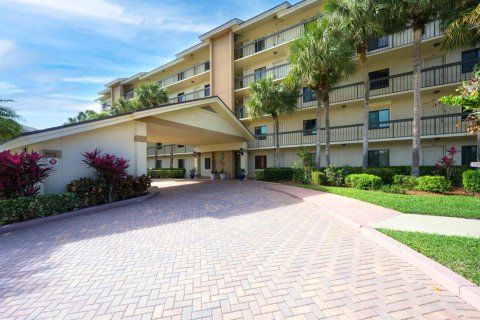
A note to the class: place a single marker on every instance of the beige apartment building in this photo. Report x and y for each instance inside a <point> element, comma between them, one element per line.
<point>237,53</point>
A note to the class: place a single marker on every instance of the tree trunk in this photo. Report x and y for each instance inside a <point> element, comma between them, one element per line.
<point>326,106</point>
<point>318,155</point>
<point>171,156</point>
<point>366,106</point>
<point>277,140</point>
<point>417,98</point>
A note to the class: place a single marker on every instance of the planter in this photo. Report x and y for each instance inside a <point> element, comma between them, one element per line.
<point>192,175</point>
<point>241,177</point>
<point>223,176</point>
<point>213,176</point>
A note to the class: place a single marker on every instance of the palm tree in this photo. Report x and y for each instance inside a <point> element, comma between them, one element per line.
<point>122,106</point>
<point>86,115</point>
<point>321,58</point>
<point>150,95</point>
<point>274,99</point>
<point>9,126</point>
<point>415,14</point>
<point>363,23</point>
<point>460,21</point>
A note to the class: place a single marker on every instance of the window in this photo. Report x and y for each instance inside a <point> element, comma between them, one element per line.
<point>260,162</point>
<point>378,43</point>
<point>309,127</point>
<point>469,154</point>
<point>181,97</point>
<point>180,76</point>
<point>378,79</point>
<point>207,90</point>
<point>181,163</point>
<point>158,164</point>
<point>379,119</point>
<point>261,132</point>
<point>128,95</point>
<point>469,59</point>
<point>208,163</point>
<point>159,146</point>
<point>259,45</point>
<point>181,145</point>
<point>379,158</point>
<point>309,95</point>
<point>260,73</point>
<point>207,65</point>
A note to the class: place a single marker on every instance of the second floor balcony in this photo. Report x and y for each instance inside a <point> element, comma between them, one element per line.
<point>432,127</point>
<point>198,94</point>
<point>165,150</point>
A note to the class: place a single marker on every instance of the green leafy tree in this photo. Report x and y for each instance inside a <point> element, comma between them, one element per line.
<point>123,105</point>
<point>150,95</point>
<point>321,58</point>
<point>363,21</point>
<point>273,99</point>
<point>9,125</point>
<point>460,21</point>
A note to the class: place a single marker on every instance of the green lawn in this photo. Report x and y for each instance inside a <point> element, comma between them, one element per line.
<point>459,254</point>
<point>437,205</point>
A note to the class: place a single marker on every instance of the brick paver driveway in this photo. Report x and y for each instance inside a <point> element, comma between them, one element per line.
<point>211,250</point>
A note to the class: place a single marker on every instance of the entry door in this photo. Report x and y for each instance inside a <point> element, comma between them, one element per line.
<point>430,155</point>
<point>432,77</point>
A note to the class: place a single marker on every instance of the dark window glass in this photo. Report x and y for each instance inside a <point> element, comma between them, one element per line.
<point>158,164</point>
<point>159,146</point>
<point>379,158</point>
<point>260,73</point>
<point>259,45</point>
<point>309,127</point>
<point>309,95</point>
<point>261,132</point>
<point>378,43</point>
<point>378,79</point>
<point>181,76</point>
<point>379,119</point>
<point>207,90</point>
<point>469,59</point>
<point>207,163</point>
<point>181,97</point>
<point>260,162</point>
<point>181,163</point>
<point>207,65</point>
<point>181,145</point>
<point>469,154</point>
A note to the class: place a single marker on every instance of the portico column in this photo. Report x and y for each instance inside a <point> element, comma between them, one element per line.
<point>140,148</point>
<point>198,164</point>
<point>244,158</point>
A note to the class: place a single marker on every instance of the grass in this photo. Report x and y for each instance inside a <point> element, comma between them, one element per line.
<point>459,254</point>
<point>436,205</point>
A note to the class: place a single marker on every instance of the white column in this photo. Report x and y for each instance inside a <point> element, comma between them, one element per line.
<point>244,159</point>
<point>140,146</point>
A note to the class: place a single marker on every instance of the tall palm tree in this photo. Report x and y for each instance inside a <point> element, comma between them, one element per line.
<point>363,23</point>
<point>122,106</point>
<point>321,58</point>
<point>9,126</point>
<point>150,95</point>
<point>273,99</point>
<point>415,14</point>
<point>86,115</point>
<point>460,21</point>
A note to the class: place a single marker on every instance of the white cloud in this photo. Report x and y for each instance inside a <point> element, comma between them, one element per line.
<point>100,80</point>
<point>6,47</point>
<point>9,88</point>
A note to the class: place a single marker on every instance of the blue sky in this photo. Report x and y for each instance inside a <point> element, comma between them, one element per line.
<point>56,55</point>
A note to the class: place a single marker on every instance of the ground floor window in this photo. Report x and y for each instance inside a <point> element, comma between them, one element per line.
<point>260,162</point>
<point>158,164</point>
<point>469,154</point>
<point>208,163</point>
<point>379,158</point>
<point>181,163</point>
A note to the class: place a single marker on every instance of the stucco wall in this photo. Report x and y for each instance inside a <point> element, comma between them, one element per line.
<point>221,51</point>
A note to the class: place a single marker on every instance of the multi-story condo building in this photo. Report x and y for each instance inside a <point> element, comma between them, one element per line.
<point>237,53</point>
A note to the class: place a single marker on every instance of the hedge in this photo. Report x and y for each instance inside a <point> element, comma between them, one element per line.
<point>176,173</point>
<point>433,184</point>
<point>26,208</point>
<point>276,174</point>
<point>468,181</point>
<point>319,178</point>
<point>363,181</point>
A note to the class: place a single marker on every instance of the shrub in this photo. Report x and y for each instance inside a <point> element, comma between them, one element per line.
<point>259,176</point>
<point>393,188</point>
<point>278,174</point>
<point>91,192</point>
<point>385,173</point>
<point>335,175</point>
<point>20,174</point>
<point>363,181</point>
<point>303,166</point>
<point>433,184</point>
<point>131,186</point>
<point>468,181</point>
<point>404,181</point>
<point>176,173</point>
<point>318,177</point>
<point>26,208</point>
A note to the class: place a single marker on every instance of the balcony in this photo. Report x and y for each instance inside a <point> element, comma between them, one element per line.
<point>202,93</point>
<point>432,126</point>
<point>164,150</point>
<point>277,72</point>
<point>185,74</point>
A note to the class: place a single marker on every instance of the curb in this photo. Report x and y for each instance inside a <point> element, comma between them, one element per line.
<point>70,214</point>
<point>453,282</point>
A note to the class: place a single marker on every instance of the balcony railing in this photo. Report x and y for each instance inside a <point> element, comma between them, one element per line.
<point>185,74</point>
<point>202,93</point>
<point>164,150</point>
<point>277,72</point>
<point>431,126</point>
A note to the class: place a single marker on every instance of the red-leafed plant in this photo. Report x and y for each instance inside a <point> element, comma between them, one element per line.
<point>20,173</point>
<point>109,168</point>
<point>446,163</point>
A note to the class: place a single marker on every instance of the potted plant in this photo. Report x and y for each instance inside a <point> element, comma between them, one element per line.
<point>213,174</point>
<point>192,173</point>
<point>242,174</point>
<point>223,174</point>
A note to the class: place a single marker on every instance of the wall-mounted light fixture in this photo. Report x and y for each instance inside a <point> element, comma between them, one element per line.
<point>195,154</point>
<point>241,151</point>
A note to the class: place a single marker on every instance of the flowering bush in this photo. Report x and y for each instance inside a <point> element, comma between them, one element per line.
<point>20,174</point>
<point>109,168</point>
<point>446,163</point>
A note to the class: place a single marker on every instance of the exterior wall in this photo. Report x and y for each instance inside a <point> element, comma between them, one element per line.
<point>188,158</point>
<point>221,50</point>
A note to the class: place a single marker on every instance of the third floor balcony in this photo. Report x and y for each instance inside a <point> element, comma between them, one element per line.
<point>189,73</point>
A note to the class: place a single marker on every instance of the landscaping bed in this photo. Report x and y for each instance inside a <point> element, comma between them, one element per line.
<point>460,254</point>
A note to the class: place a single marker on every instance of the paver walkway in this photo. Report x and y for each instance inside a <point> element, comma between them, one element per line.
<point>222,250</point>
